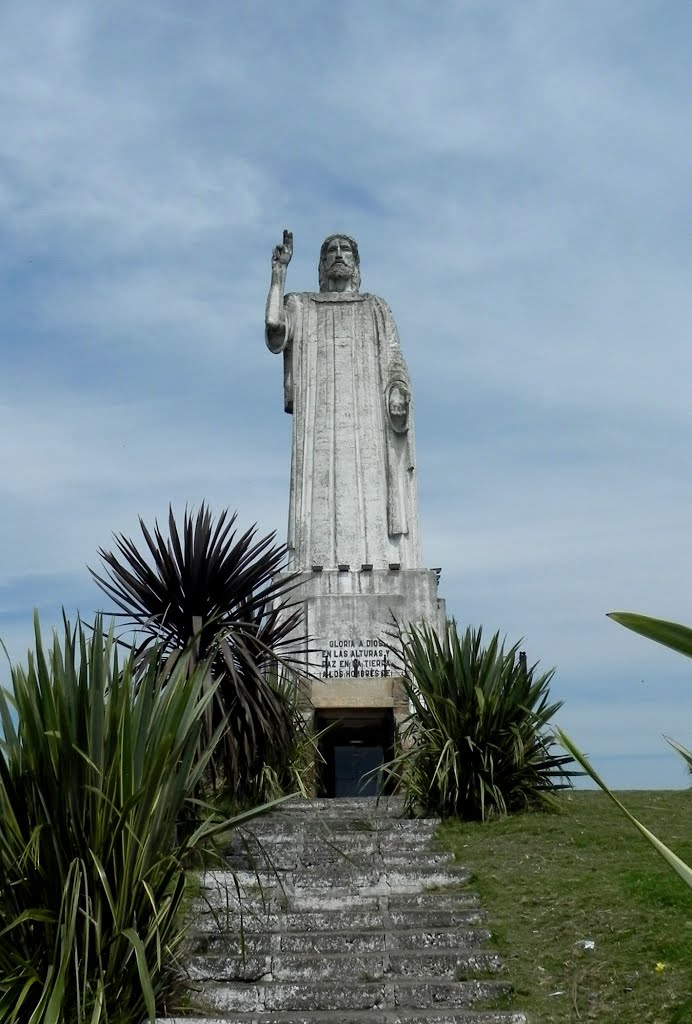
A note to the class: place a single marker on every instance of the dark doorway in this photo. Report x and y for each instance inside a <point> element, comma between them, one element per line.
<point>354,745</point>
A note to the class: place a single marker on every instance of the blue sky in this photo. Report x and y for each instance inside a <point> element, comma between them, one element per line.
<point>518,179</point>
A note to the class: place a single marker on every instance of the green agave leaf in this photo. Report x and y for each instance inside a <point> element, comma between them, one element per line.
<point>144,975</point>
<point>676,863</point>
<point>683,751</point>
<point>98,1006</point>
<point>670,634</point>
<point>52,1013</point>
<point>33,914</point>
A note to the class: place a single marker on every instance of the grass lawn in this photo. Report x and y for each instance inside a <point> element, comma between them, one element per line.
<point>551,881</point>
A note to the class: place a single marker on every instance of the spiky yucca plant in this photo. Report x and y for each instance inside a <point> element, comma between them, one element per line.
<point>216,595</point>
<point>477,742</point>
<point>98,760</point>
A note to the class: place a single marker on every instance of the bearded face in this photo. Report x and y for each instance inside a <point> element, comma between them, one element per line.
<point>339,262</point>
<point>339,270</point>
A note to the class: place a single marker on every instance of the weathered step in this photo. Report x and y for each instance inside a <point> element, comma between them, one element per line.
<point>413,871</point>
<point>343,807</point>
<point>341,826</point>
<point>459,912</point>
<point>348,918</point>
<point>254,909</point>
<point>294,942</point>
<point>305,899</point>
<point>440,938</point>
<point>215,943</point>
<point>329,941</point>
<point>321,861</point>
<point>291,996</point>
<point>348,968</point>
<point>396,881</point>
<point>409,878</point>
<point>432,918</point>
<point>268,857</point>
<point>341,912</point>
<point>396,1016</point>
<point>291,835</point>
<point>438,899</point>
<point>333,942</point>
<point>203,922</point>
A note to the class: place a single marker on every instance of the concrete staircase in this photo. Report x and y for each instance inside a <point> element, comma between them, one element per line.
<point>341,911</point>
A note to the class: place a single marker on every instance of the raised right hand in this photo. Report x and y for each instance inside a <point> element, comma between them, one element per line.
<point>282,254</point>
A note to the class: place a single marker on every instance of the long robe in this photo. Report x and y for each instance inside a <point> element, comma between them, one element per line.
<point>353,497</point>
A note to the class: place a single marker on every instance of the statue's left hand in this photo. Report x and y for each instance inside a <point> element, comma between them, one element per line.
<point>398,402</point>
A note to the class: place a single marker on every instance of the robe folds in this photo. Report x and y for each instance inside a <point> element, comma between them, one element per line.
<point>353,496</point>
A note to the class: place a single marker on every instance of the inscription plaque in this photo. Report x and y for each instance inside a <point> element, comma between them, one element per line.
<point>356,658</point>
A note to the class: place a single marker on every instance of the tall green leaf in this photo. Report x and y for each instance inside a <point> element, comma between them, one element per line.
<point>670,634</point>
<point>678,638</point>
<point>675,862</point>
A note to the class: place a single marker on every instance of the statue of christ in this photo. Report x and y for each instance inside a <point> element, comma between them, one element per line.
<point>353,496</point>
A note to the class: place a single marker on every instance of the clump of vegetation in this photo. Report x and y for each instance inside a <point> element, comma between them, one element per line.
<point>206,594</point>
<point>99,759</point>
<point>477,743</point>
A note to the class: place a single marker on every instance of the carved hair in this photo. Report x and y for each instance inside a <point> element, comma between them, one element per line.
<point>323,252</point>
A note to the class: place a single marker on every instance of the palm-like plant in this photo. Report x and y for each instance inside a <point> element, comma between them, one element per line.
<point>477,742</point>
<point>206,593</point>
<point>98,761</point>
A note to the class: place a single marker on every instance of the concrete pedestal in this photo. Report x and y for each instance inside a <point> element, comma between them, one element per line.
<point>351,617</point>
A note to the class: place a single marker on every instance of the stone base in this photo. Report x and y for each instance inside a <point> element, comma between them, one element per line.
<point>358,693</point>
<point>352,620</point>
<point>350,671</point>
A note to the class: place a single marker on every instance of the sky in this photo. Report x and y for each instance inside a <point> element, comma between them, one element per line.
<point>517,176</point>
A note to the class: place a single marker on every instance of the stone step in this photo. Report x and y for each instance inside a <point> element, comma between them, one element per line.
<point>282,858</point>
<point>433,918</point>
<point>291,996</point>
<point>327,941</point>
<point>451,898</point>
<point>440,938</point>
<point>443,912</point>
<point>351,968</point>
<point>391,941</point>
<point>326,847</point>
<point>341,912</point>
<point>401,1015</point>
<point>425,877</point>
<point>366,825</point>
<point>288,834</point>
<point>306,899</point>
<point>344,806</point>
<point>385,882</point>
<point>340,823</point>
<point>423,871</point>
